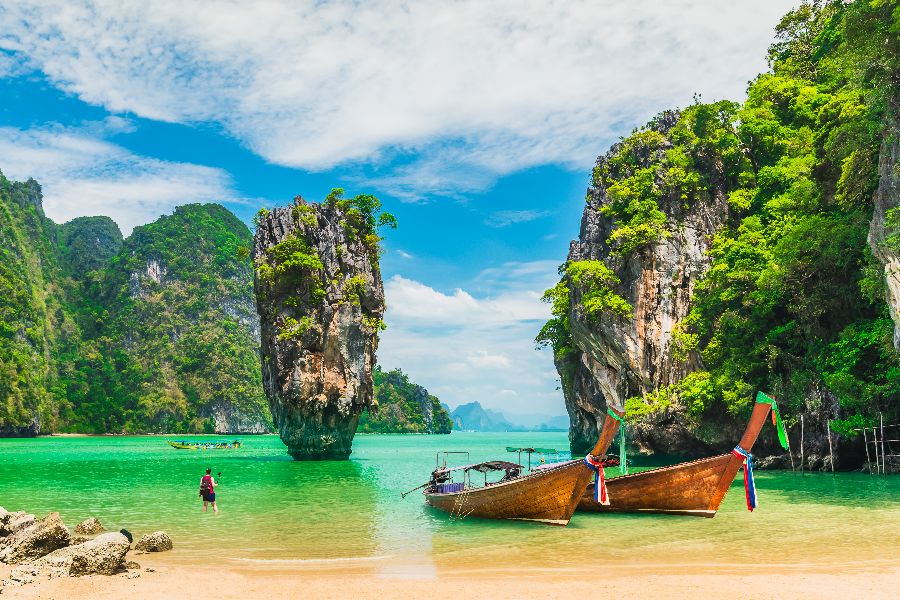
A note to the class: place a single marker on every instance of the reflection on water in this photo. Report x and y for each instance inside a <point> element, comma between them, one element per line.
<point>280,512</point>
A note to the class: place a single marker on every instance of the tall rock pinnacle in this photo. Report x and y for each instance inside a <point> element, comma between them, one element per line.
<point>320,300</point>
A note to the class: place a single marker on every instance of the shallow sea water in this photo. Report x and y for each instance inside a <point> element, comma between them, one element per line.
<point>278,513</point>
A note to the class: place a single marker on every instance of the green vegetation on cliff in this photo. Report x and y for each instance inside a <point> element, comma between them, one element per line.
<point>31,314</point>
<point>156,333</point>
<point>792,300</point>
<point>174,339</point>
<point>403,407</point>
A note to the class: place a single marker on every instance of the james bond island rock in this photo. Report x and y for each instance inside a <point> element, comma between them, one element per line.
<point>723,250</point>
<point>320,300</point>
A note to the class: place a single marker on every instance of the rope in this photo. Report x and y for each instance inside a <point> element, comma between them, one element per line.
<point>749,484</point>
<point>600,495</point>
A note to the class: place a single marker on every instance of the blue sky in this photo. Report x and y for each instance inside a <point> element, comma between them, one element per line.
<point>475,123</point>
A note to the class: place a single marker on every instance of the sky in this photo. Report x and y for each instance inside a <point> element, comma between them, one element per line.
<point>476,123</point>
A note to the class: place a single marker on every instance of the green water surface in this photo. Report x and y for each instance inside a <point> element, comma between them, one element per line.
<point>275,510</point>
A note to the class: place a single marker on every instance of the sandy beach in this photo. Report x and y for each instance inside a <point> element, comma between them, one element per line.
<point>168,580</point>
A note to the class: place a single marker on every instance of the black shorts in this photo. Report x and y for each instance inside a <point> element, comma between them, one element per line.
<point>209,496</point>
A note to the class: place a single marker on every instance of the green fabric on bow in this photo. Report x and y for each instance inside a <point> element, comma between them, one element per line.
<point>776,418</point>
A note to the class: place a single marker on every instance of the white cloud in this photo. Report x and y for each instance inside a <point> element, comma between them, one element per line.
<point>465,90</point>
<point>505,218</point>
<point>81,174</point>
<point>405,255</point>
<point>463,347</point>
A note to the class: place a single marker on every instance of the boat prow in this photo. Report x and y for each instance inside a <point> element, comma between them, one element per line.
<point>694,488</point>
<point>546,495</point>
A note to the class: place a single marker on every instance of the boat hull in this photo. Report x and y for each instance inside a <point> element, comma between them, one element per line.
<point>693,488</point>
<point>549,496</point>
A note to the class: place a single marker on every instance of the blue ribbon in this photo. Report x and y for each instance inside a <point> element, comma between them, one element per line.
<point>598,481</point>
<point>749,483</point>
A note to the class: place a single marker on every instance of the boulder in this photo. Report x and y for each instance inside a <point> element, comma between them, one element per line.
<point>103,555</point>
<point>35,541</point>
<point>90,526</point>
<point>11,522</point>
<point>158,541</point>
<point>78,539</point>
<point>130,564</point>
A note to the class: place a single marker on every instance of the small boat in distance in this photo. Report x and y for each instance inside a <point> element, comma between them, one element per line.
<point>219,445</point>
<point>693,488</point>
<point>548,494</point>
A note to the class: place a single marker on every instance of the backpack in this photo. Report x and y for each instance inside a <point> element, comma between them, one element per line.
<point>205,484</point>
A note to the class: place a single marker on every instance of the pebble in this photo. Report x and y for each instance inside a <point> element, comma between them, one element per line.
<point>132,575</point>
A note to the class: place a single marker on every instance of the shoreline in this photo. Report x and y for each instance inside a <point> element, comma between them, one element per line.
<point>389,579</point>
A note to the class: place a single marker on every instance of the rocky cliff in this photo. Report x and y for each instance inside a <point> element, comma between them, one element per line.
<point>884,233</point>
<point>723,250</point>
<point>619,356</point>
<point>320,300</point>
<point>178,303</point>
<point>158,332</point>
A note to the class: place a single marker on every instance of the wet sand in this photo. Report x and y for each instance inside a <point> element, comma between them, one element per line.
<point>173,580</point>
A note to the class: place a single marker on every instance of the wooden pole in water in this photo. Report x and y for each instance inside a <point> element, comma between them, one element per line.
<point>875,443</point>
<point>801,444</point>
<point>883,457</point>
<point>866,444</point>
<point>790,452</point>
<point>830,449</point>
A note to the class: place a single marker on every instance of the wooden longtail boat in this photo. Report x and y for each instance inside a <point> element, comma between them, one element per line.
<point>547,495</point>
<point>183,445</point>
<point>692,488</point>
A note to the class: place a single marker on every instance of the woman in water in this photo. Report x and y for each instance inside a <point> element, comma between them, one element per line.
<point>208,490</point>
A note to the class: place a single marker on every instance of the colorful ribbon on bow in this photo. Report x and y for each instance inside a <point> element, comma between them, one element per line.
<point>600,495</point>
<point>749,484</point>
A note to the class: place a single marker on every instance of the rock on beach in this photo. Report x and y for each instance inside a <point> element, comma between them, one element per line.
<point>34,541</point>
<point>90,526</point>
<point>158,541</point>
<point>103,555</point>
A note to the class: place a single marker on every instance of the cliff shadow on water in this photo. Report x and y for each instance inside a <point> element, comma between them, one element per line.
<point>320,300</point>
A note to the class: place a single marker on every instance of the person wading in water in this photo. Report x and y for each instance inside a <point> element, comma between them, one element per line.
<point>208,490</point>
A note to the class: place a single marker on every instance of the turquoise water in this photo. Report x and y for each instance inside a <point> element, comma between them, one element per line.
<point>274,509</point>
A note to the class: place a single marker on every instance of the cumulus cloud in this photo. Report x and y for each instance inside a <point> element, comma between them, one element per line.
<point>83,175</point>
<point>463,346</point>
<point>464,90</point>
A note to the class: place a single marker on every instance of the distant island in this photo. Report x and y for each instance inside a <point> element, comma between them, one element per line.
<point>474,417</point>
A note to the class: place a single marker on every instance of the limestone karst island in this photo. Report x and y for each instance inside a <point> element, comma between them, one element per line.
<point>521,299</point>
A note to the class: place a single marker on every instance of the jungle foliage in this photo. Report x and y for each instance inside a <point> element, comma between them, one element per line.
<point>102,335</point>
<point>793,298</point>
<point>402,407</point>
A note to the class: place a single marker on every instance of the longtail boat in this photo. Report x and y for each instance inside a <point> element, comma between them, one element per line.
<point>692,488</point>
<point>548,494</point>
<point>184,445</point>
